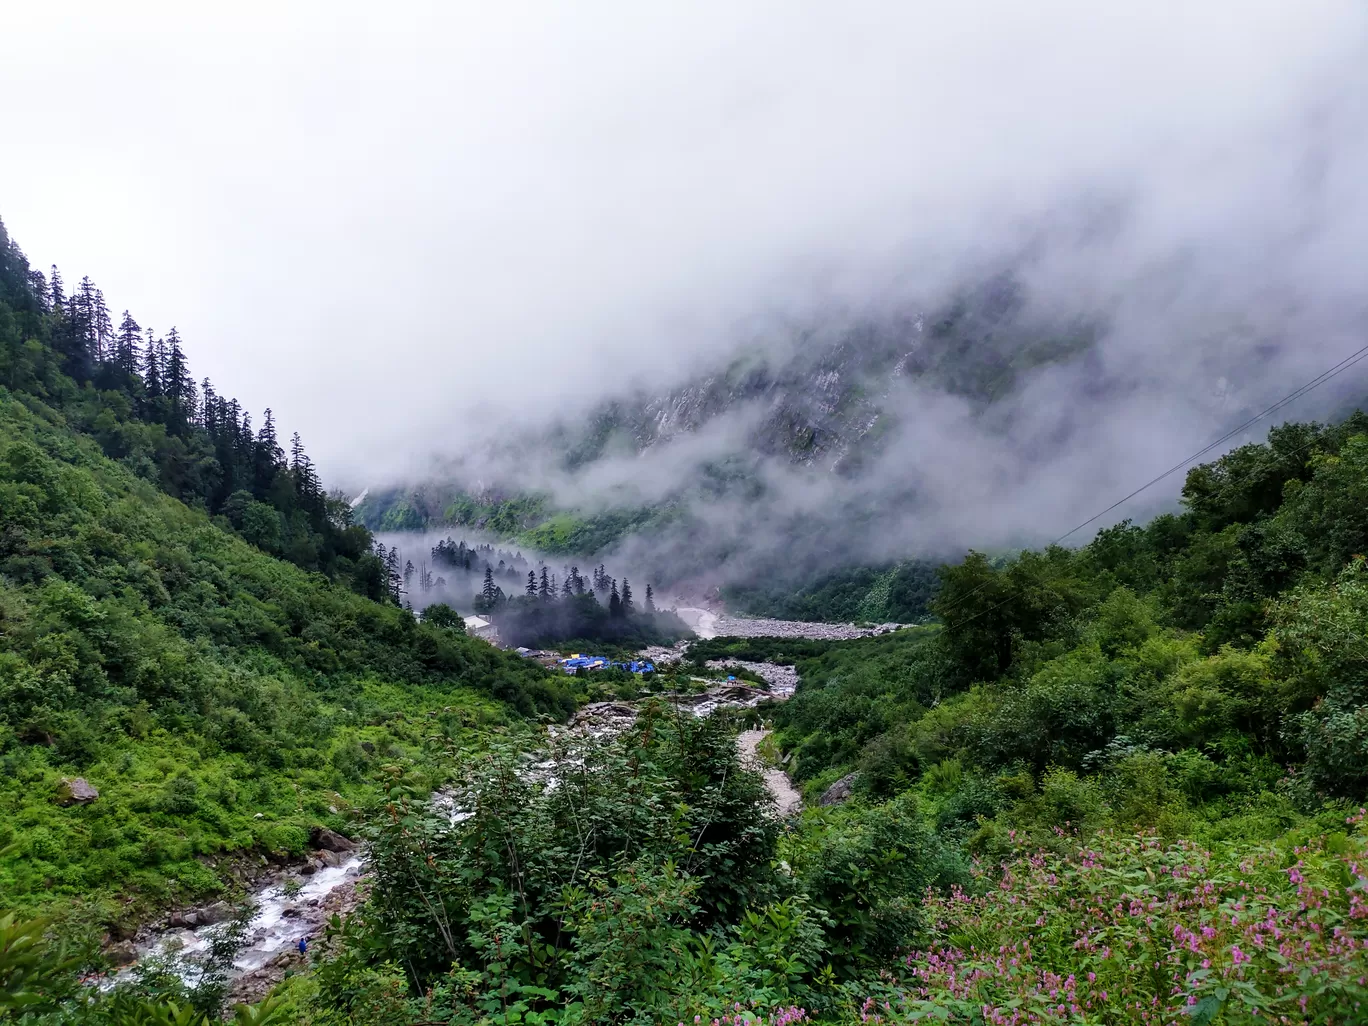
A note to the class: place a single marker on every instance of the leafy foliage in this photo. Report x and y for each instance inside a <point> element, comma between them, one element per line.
<point>221,701</point>
<point>637,879</point>
<point>1128,929</point>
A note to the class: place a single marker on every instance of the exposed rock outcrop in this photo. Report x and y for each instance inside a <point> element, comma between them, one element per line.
<point>218,912</point>
<point>75,791</point>
<point>839,791</point>
<point>329,840</point>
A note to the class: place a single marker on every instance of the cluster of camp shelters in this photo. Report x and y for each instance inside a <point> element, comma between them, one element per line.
<point>584,662</point>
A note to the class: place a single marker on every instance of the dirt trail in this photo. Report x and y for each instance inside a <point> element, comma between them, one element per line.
<point>790,802</point>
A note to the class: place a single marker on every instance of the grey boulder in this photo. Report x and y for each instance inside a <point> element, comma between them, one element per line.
<point>75,791</point>
<point>839,791</point>
<point>329,840</point>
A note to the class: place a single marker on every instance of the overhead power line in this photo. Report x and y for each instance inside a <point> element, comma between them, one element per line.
<point>1320,379</point>
<point>1291,397</point>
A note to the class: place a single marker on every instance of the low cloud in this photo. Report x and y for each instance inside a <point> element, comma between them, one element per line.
<point>423,233</point>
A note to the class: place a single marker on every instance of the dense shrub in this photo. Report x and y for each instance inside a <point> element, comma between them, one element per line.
<point>1127,929</point>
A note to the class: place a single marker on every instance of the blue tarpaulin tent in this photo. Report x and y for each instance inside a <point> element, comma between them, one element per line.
<point>582,662</point>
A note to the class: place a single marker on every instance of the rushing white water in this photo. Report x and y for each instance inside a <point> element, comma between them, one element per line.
<point>273,928</point>
<point>281,920</point>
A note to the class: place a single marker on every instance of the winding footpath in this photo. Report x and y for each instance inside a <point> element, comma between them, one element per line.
<point>786,797</point>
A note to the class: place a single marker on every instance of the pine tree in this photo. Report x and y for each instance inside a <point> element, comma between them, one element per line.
<point>126,345</point>
<point>614,602</point>
<point>567,589</point>
<point>179,387</point>
<point>531,583</point>
<point>408,572</point>
<point>627,609</point>
<point>104,327</point>
<point>650,600</point>
<point>56,300</point>
<point>487,592</point>
<point>268,457</point>
<point>547,592</point>
<point>38,287</point>
<point>88,303</point>
<point>152,376</point>
<point>308,487</point>
<point>71,337</point>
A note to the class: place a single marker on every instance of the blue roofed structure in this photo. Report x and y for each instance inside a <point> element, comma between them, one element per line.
<point>583,662</point>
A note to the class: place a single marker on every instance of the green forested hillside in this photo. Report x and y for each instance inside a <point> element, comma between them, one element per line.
<point>133,393</point>
<point>194,680</point>
<point>1208,665</point>
<point>900,593</point>
<point>220,699</point>
<point>1110,785</point>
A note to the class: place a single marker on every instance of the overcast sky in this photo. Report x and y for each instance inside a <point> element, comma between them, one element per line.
<point>375,217</point>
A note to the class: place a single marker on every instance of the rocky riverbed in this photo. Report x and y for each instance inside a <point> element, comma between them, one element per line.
<point>783,680</point>
<point>709,624</point>
<point>298,902</point>
<point>301,918</point>
<point>740,627</point>
<point>293,904</point>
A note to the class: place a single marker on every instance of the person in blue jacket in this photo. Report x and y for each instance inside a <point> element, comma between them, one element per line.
<point>303,945</point>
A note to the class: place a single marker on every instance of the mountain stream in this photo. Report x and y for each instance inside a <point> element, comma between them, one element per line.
<point>295,907</point>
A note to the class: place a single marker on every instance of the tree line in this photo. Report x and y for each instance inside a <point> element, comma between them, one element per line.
<point>535,606</point>
<point>134,392</point>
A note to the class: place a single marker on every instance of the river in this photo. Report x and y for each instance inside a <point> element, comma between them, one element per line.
<point>708,624</point>
<point>294,907</point>
<point>284,915</point>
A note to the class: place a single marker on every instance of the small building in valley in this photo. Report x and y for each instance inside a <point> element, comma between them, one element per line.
<point>479,627</point>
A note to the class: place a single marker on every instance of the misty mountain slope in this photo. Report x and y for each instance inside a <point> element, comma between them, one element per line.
<point>822,393</point>
<point>825,401</point>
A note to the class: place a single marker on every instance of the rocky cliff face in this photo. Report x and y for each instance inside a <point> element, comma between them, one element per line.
<point>823,400</point>
<point>819,401</point>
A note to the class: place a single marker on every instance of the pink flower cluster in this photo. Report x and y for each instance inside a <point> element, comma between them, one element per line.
<point>1131,930</point>
<point>739,1016</point>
